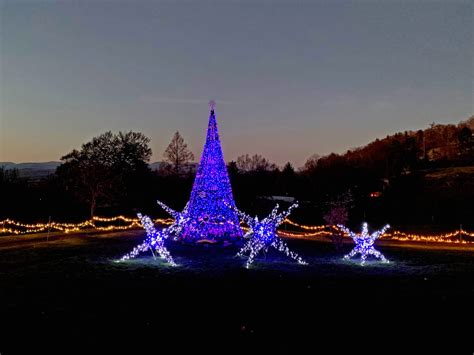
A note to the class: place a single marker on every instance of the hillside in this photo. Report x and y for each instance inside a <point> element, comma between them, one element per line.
<point>440,145</point>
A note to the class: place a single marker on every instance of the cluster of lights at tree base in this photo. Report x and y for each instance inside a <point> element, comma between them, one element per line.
<point>156,239</point>
<point>364,243</point>
<point>263,235</point>
<point>209,216</point>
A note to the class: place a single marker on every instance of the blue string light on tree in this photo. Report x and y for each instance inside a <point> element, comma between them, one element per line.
<point>364,243</point>
<point>209,217</point>
<point>156,239</point>
<point>263,235</point>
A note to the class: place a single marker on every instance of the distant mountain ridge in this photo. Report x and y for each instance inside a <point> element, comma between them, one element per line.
<point>48,165</point>
<point>39,170</point>
<point>32,170</point>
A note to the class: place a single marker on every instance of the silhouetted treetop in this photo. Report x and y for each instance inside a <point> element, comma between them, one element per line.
<point>255,162</point>
<point>177,153</point>
<point>96,172</point>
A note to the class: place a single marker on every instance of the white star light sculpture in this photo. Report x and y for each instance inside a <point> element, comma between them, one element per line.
<point>365,243</point>
<point>180,218</point>
<point>156,239</point>
<point>263,235</point>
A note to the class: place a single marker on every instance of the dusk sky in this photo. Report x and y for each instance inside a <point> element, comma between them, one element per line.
<point>290,78</point>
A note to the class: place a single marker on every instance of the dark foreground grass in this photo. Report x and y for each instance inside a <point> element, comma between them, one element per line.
<point>72,296</point>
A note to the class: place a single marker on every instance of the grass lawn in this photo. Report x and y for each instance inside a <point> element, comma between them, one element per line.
<point>70,294</point>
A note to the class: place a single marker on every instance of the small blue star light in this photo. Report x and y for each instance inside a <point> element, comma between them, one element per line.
<point>263,235</point>
<point>364,243</point>
<point>155,240</point>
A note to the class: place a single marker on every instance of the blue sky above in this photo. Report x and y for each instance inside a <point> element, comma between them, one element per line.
<point>290,78</point>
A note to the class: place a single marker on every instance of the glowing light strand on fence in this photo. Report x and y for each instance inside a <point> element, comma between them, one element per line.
<point>364,243</point>
<point>11,227</point>
<point>263,235</point>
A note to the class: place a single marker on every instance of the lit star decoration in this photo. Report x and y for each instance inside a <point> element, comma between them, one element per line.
<point>209,217</point>
<point>181,219</point>
<point>156,239</point>
<point>212,105</point>
<point>263,235</point>
<point>365,243</point>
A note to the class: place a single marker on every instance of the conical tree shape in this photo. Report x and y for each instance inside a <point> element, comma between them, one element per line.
<point>210,217</point>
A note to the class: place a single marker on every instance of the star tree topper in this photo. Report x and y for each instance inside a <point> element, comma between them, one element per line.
<point>212,105</point>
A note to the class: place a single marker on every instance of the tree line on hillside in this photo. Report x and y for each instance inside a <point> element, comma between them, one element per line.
<point>384,180</point>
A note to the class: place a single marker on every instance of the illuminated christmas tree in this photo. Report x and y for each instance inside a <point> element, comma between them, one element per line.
<point>209,216</point>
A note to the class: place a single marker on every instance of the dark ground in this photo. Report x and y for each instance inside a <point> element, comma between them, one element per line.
<point>69,295</point>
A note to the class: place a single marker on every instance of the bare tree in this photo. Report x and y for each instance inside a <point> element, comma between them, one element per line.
<point>255,162</point>
<point>466,144</point>
<point>338,213</point>
<point>311,163</point>
<point>178,153</point>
